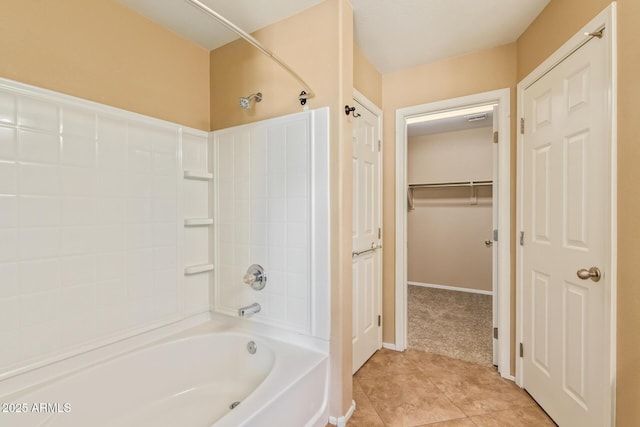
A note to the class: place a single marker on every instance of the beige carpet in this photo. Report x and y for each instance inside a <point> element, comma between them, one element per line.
<point>451,323</point>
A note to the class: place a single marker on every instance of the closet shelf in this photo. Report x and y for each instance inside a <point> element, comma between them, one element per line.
<point>480,183</point>
<point>202,176</point>
<point>473,199</point>
<point>195,222</point>
<point>196,269</point>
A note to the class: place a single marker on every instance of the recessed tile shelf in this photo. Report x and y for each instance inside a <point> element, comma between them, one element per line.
<point>196,269</point>
<point>202,176</point>
<point>195,222</point>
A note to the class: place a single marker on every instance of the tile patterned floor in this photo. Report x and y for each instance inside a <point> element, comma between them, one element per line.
<point>415,388</point>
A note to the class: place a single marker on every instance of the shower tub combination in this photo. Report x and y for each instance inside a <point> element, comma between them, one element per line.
<point>200,368</point>
<point>208,375</point>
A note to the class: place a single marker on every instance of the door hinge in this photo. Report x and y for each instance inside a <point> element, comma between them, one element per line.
<point>522,125</point>
<point>379,232</point>
<point>495,235</point>
<point>495,137</point>
<point>379,145</point>
<point>379,320</point>
<point>521,350</point>
<point>495,333</point>
<point>522,238</point>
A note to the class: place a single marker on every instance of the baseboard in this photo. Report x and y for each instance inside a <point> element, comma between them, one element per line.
<point>451,288</point>
<point>342,421</point>
<point>389,346</point>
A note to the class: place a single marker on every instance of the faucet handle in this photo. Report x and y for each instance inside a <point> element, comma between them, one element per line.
<point>255,277</point>
<point>249,278</point>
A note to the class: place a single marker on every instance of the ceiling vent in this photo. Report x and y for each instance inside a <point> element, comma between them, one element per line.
<point>476,117</point>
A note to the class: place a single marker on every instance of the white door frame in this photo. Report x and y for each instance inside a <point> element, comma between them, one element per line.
<point>606,18</point>
<point>366,103</point>
<point>503,186</point>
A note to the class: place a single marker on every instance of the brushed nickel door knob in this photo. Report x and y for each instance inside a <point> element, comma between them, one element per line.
<point>593,273</point>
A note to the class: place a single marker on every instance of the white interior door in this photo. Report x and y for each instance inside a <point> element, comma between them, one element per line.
<point>566,205</point>
<point>367,256</point>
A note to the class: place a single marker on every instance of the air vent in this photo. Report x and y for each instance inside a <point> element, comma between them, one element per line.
<point>476,117</point>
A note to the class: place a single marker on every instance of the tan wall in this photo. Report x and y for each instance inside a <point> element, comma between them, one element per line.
<point>462,155</point>
<point>477,72</point>
<point>445,239</point>
<point>318,45</point>
<point>307,42</point>
<point>628,378</point>
<point>342,219</point>
<point>366,78</point>
<point>566,18</point>
<point>103,51</point>
<point>445,232</point>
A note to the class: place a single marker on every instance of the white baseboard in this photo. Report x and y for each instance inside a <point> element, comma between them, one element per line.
<point>451,288</point>
<point>342,421</point>
<point>389,346</point>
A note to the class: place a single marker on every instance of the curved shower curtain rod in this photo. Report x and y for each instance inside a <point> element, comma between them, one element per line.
<point>304,95</point>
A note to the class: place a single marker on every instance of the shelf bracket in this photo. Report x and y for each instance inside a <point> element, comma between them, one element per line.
<point>473,197</point>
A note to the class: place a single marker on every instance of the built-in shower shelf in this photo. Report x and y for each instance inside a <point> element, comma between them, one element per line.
<point>196,222</point>
<point>202,176</point>
<point>197,269</point>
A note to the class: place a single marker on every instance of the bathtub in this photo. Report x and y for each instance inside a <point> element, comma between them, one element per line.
<point>204,376</point>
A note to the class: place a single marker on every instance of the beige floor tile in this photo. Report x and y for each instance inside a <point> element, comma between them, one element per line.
<point>473,388</point>
<point>408,399</point>
<point>460,422</point>
<point>365,414</point>
<point>416,388</point>
<point>385,362</point>
<point>531,416</point>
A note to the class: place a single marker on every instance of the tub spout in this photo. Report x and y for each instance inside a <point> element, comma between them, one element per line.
<point>250,309</point>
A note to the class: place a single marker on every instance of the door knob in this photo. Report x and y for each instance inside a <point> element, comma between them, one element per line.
<point>593,273</point>
<point>488,243</point>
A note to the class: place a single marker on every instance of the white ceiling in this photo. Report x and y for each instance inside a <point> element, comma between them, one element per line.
<point>393,35</point>
<point>188,21</point>
<point>399,34</point>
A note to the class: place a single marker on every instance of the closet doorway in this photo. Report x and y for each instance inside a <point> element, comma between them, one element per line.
<point>452,229</point>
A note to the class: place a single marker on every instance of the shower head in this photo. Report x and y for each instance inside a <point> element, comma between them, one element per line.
<point>246,102</point>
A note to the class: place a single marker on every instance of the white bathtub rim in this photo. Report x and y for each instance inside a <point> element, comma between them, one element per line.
<point>286,336</point>
<point>280,379</point>
<point>259,400</point>
<point>37,375</point>
<point>250,404</point>
<point>275,337</point>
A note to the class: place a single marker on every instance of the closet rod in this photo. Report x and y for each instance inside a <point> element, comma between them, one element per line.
<point>452,184</point>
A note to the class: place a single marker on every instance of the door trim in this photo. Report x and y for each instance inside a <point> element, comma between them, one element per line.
<point>503,280</point>
<point>373,108</point>
<point>608,19</point>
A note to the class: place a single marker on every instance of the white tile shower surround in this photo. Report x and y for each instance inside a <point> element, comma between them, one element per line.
<point>92,208</point>
<point>271,181</point>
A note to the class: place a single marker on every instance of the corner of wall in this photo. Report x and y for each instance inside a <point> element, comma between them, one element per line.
<point>366,78</point>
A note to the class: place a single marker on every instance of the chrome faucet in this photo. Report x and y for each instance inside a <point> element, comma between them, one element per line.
<point>250,309</point>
